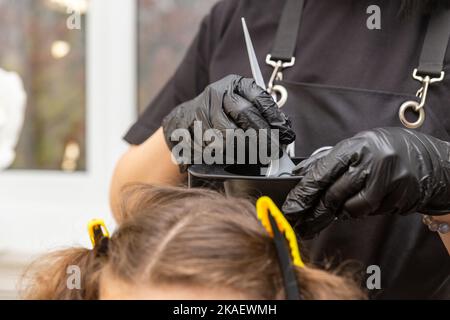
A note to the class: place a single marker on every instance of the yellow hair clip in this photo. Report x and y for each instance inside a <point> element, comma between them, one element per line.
<point>97,231</point>
<point>264,207</point>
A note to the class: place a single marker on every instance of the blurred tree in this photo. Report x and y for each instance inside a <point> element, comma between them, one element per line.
<point>166,28</point>
<point>36,43</point>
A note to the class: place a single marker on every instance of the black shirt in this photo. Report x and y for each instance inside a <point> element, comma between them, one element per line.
<point>334,48</point>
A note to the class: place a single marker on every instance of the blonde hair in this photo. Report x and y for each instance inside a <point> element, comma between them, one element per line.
<point>175,236</point>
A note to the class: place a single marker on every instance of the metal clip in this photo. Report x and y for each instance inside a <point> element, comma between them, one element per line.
<point>418,107</point>
<point>265,207</point>
<point>277,75</point>
<point>426,81</point>
<point>97,231</point>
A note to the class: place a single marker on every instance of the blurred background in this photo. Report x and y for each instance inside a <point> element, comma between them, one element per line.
<point>85,84</point>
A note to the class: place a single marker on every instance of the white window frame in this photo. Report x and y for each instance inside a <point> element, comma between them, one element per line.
<point>43,209</point>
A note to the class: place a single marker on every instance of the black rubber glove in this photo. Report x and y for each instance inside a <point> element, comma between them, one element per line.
<point>383,171</point>
<point>231,103</point>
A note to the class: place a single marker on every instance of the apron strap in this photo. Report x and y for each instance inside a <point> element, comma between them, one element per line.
<point>283,52</point>
<point>431,65</point>
<point>433,51</point>
<point>288,28</point>
<point>435,44</point>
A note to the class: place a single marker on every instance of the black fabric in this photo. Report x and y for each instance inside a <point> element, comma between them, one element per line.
<point>286,38</point>
<point>285,259</point>
<point>347,78</point>
<point>413,261</point>
<point>344,112</point>
<point>333,49</point>
<point>435,44</point>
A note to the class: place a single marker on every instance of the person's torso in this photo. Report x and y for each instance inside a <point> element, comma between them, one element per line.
<point>348,78</point>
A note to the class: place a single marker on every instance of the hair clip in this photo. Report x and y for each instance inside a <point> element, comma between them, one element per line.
<point>265,208</point>
<point>97,232</point>
<point>285,242</point>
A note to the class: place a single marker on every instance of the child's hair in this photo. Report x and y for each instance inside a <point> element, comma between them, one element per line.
<point>175,236</point>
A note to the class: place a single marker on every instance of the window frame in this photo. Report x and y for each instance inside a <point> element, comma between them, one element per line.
<point>61,203</point>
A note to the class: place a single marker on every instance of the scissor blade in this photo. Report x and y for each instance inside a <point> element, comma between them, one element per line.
<point>284,165</point>
<point>256,70</point>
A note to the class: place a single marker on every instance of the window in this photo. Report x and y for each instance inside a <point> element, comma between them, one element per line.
<point>51,60</point>
<point>165,30</point>
<point>82,88</point>
<point>82,92</point>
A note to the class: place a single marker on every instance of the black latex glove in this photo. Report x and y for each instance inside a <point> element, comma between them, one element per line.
<point>231,103</point>
<point>383,171</point>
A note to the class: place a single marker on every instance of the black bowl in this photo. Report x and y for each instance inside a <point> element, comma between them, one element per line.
<point>242,181</point>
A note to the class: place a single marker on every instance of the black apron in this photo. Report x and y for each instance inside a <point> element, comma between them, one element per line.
<point>413,261</point>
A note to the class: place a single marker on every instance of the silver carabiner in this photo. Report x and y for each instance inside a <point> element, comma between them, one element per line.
<point>278,92</point>
<point>418,107</point>
<point>280,95</point>
<point>426,82</point>
<point>415,106</point>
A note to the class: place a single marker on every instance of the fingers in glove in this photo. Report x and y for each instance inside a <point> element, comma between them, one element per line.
<point>399,197</point>
<point>247,116</point>
<point>305,165</point>
<point>244,113</point>
<point>347,186</point>
<point>314,220</point>
<point>248,89</point>
<point>317,179</point>
<point>323,173</point>
<point>362,204</point>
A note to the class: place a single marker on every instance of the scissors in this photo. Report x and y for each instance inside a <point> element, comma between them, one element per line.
<point>283,165</point>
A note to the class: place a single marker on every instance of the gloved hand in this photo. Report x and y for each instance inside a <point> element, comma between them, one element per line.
<point>383,171</point>
<point>231,103</point>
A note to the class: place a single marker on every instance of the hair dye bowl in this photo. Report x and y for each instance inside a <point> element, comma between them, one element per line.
<point>245,181</point>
